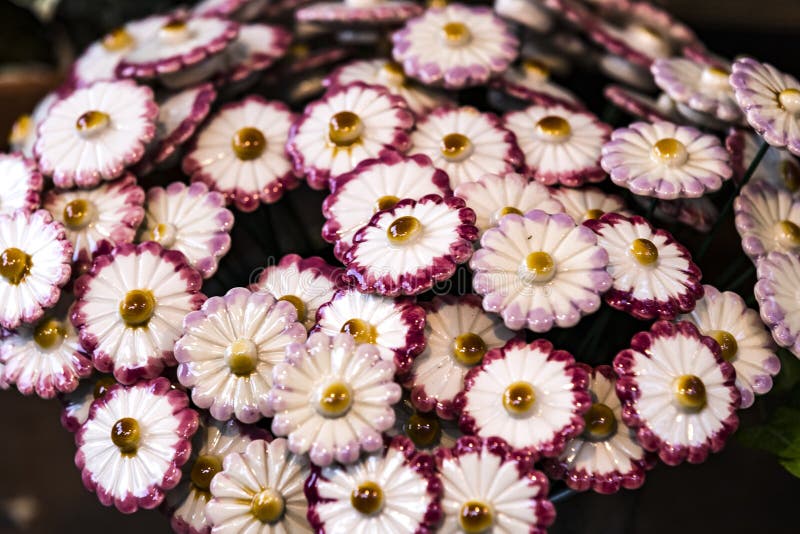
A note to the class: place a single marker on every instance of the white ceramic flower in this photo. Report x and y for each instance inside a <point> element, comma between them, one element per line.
<point>24,134</point>
<point>703,88</point>
<point>767,219</point>
<point>776,292</point>
<point>531,82</point>
<point>22,183</point>
<point>588,202</point>
<point>76,404</point>
<point>425,429</point>
<point>778,167</point>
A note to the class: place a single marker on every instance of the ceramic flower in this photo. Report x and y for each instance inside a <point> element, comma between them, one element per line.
<point>395,326</point>
<point>455,46</point>
<point>767,219</point>
<point>653,275</point>
<point>241,154</point>
<point>240,10</point>
<point>332,399</point>
<point>256,47</point>
<point>192,220</point>
<point>35,259</point>
<point>95,220</point>
<point>697,213</point>
<point>407,249</point>
<point>132,446</point>
<point>770,100</point>
<point>540,271</point>
<point>229,348</point>
<point>359,12</point>
<point>640,105</point>
<point>260,490</point>
<point>95,132</point>
<point>22,183</point>
<point>514,501</point>
<point>77,403</point>
<point>533,15</point>
<point>426,430</point>
<point>587,203</point>
<point>24,134</point>
<point>606,456</point>
<point>743,340</point>
<point>466,144</point>
<point>493,197</point>
<point>778,279</point>
<point>677,392</point>
<point>129,308</point>
<point>559,145</point>
<point>350,124</point>
<point>375,185</point>
<point>667,161</point>
<point>778,167</point>
<point>395,490</point>
<point>531,82</point>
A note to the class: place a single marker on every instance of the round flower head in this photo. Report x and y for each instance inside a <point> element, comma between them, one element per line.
<point>777,167</point>
<point>487,486</point>
<point>95,220</point>
<point>35,259</point>
<point>559,145</point>
<point>653,275</point>
<point>229,348</point>
<point>132,446</point>
<point>743,340</point>
<point>307,283</point>
<point>677,392</point>
<point>770,100</point>
<point>455,46</point>
<point>333,399</point>
<point>76,404</point>
<point>21,183</point>
<point>239,10</point>
<point>776,292</point>
<point>587,202</point>
<point>349,124</point>
<point>530,14</point>
<point>531,82</point>
<point>94,133</point>
<point>240,153</point>
<point>375,185</point>
<point>395,326</point>
<point>540,271</point>
<point>408,248</point>
<point>666,161</point>
<point>641,105</point>
<point>359,12</point>
<point>192,220</point>
<point>425,429</point>
<point>767,219</point>
<point>24,134</point>
<point>466,144</point>
<point>130,306</point>
<point>255,48</point>
<point>493,197</point>
<point>260,490</point>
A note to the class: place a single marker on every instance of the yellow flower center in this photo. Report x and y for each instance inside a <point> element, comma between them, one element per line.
<point>267,506</point>
<point>392,72</point>
<point>15,265</point>
<point>502,212</point>
<point>475,517</point>
<point>789,100</point>
<point>242,357</point>
<point>335,400</point>
<point>670,152</point>
<point>102,386</point>
<point>534,67</point>
<point>600,423</point>
<point>727,343</point>
<point>78,214</point>
<point>644,251</point>
<point>553,128</point>
<point>403,230</point>
<point>92,122</point>
<point>164,233</point>
<point>519,398</point>
<point>345,128</point>
<point>362,331</point>
<point>469,348</point>
<point>456,147</point>
<point>715,78</point>
<point>20,130</point>
<point>204,469</point>
<point>137,307</point>
<point>173,32</point>
<point>423,429</point>
<point>367,498</point>
<point>117,40</point>
<point>790,171</point>
<point>299,306</point>
<point>592,214</point>
<point>386,202</point>
<point>248,143</point>
<point>690,393</point>
<point>540,266</point>
<point>49,333</point>
<point>787,233</point>
<point>125,434</point>
<point>456,33</point>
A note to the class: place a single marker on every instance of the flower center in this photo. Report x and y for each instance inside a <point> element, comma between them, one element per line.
<point>535,69</point>
<point>789,99</point>
<point>137,308</point>
<point>298,304</point>
<point>644,251</point>
<point>15,265</point>
<point>790,171</point>
<point>126,435</point>
<point>345,128</point>
<point>423,429</point>
<point>367,498</point>
<point>102,386</point>
<point>690,393</point>
<point>456,147</point>
<point>715,78</point>
<point>20,130</point>
<point>600,423</point>
<point>502,212</point>
<point>204,469</point>
<point>469,349</point>
<point>164,233</point>
<point>403,230</point>
<point>539,267</point>
<point>727,343</point>
<point>649,40</point>
<point>242,357</point>
<point>553,128</point>
<point>519,398</point>
<point>386,202</point>
<point>49,333</point>
<point>173,32</point>
<point>787,233</point>
<point>92,122</point>
<point>362,331</point>
<point>78,213</point>
<point>248,143</point>
<point>117,40</point>
<point>475,517</point>
<point>592,214</point>
<point>335,400</point>
<point>392,73</point>
<point>670,152</point>
<point>456,33</point>
<point>267,506</point>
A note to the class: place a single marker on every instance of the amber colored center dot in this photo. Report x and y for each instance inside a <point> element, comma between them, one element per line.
<point>644,251</point>
<point>553,128</point>
<point>204,469</point>
<point>15,265</point>
<point>536,68</point>
<point>137,307</point>
<point>125,434</point>
<point>345,128</point>
<point>49,333</point>
<point>456,33</point>
<point>518,398</point>
<point>102,386</point>
<point>715,77</point>
<point>790,171</point>
<point>600,422</point>
<point>592,214</point>
<point>423,429</point>
<point>248,143</point>
<point>502,212</point>
<point>455,147</point>
<point>386,202</point>
<point>20,129</point>
<point>649,39</point>
<point>727,343</point>
<point>92,122</point>
<point>299,306</point>
<point>789,99</point>
<point>164,233</point>
<point>367,498</point>
<point>690,392</point>
<point>362,331</point>
<point>335,399</point>
<point>540,265</point>
<point>117,39</point>
<point>174,31</point>
<point>393,73</point>
<point>267,506</point>
<point>403,229</point>
<point>469,348</point>
<point>242,357</point>
<point>670,151</point>
<point>78,213</point>
<point>475,517</point>
<point>787,233</point>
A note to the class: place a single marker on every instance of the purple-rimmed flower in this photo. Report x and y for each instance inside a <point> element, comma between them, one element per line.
<point>240,10</point>
<point>767,219</point>
<point>260,490</point>
<point>255,48</point>
<point>350,124</point>
<point>667,161</point>
<point>529,14</point>
<point>129,308</point>
<point>653,275</point>
<point>559,145</point>
<point>606,456</point>
<point>698,213</point>
<point>359,12</point>
<point>531,82</point>
<point>229,348</point>
<point>192,220</point>
<point>408,248</point>
<point>540,271</point>
<point>95,132</point>
<point>677,392</point>
<point>458,335</point>
<point>455,46</point>
<point>35,257</point>
<point>240,153</point>
<point>743,340</point>
<point>394,325</point>
<point>425,429</point>
<point>493,197</point>
<point>22,183</point>
<point>132,446</point>
<point>375,185</point>
<point>96,220</point>
<point>514,501</point>
<point>24,131</point>
<point>640,105</point>
<point>466,144</point>
<point>770,100</point>
<point>587,202</point>
<point>776,292</point>
<point>332,398</point>
<point>528,393</point>
<point>392,491</point>
<point>76,404</point>
<point>778,167</point>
